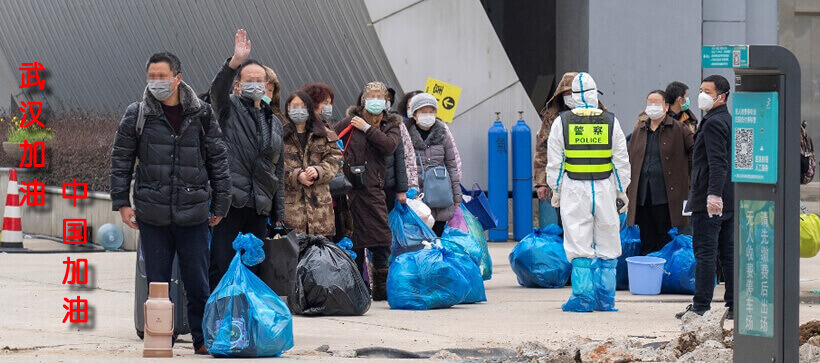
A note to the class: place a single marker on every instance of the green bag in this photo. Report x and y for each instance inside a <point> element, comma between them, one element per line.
<point>477,232</point>
<point>809,235</point>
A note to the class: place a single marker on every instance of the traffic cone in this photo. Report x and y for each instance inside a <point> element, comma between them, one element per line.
<point>12,237</point>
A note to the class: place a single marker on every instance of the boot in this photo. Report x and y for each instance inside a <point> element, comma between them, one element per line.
<point>380,284</point>
<point>605,283</point>
<point>583,295</point>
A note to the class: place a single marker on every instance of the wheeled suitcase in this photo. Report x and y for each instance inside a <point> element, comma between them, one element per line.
<point>177,294</point>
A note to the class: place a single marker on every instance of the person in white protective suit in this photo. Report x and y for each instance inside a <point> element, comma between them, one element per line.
<point>588,168</point>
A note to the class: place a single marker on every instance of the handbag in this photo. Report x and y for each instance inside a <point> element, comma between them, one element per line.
<point>340,185</point>
<point>479,206</point>
<point>438,189</point>
<point>278,269</point>
<point>356,173</point>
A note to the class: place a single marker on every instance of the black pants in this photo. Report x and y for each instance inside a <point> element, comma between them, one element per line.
<point>713,242</point>
<point>380,257</point>
<point>191,245</point>
<point>244,220</point>
<point>390,199</point>
<point>438,227</point>
<point>654,223</point>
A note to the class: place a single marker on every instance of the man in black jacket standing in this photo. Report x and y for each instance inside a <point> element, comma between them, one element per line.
<point>253,136</point>
<point>711,198</point>
<point>182,176</point>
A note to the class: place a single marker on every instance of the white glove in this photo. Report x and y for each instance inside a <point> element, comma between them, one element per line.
<point>556,199</point>
<point>623,198</point>
<point>714,205</point>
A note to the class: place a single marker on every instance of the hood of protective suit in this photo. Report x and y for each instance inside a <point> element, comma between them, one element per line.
<point>584,91</point>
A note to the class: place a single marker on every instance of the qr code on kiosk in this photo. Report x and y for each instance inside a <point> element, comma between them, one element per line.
<point>744,144</point>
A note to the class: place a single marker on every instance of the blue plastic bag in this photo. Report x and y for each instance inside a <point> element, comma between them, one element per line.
<point>244,317</point>
<point>630,246</point>
<point>250,247</point>
<point>465,241</point>
<point>680,264</point>
<point>409,231</point>
<point>477,232</point>
<point>539,260</point>
<point>425,279</point>
<point>347,245</point>
<point>469,268</point>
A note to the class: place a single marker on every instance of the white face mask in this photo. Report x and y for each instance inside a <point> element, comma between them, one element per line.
<point>426,120</point>
<point>654,111</point>
<point>705,102</point>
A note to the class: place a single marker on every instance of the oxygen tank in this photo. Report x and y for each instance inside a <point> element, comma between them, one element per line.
<point>522,178</point>
<point>498,179</point>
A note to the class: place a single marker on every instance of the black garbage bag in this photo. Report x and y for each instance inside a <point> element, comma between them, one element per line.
<point>327,281</point>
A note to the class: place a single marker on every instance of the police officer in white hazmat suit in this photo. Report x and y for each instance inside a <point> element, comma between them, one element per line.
<point>588,168</point>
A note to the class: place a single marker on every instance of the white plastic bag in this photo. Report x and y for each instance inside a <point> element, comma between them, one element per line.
<point>422,210</point>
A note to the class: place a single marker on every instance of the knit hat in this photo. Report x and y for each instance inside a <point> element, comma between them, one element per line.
<point>422,99</point>
<point>373,86</point>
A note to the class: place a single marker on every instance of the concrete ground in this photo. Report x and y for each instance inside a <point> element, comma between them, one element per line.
<point>32,295</point>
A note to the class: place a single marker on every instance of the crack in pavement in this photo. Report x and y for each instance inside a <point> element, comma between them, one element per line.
<point>60,284</point>
<point>387,326</point>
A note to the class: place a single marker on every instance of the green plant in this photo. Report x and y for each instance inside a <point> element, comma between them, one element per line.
<point>17,134</point>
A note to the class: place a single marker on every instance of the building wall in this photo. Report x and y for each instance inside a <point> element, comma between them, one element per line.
<point>95,51</point>
<point>800,33</point>
<point>453,41</point>
<point>634,50</point>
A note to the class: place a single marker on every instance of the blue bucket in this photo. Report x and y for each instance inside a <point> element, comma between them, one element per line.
<point>645,274</point>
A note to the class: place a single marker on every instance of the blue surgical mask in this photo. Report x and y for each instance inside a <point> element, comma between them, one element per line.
<point>374,105</point>
<point>685,106</point>
<point>266,99</point>
<point>327,112</point>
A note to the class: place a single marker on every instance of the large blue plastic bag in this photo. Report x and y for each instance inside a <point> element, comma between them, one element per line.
<point>539,260</point>
<point>680,264</point>
<point>469,269</point>
<point>244,317</point>
<point>630,246</point>
<point>465,241</point>
<point>409,231</point>
<point>425,279</point>
<point>477,232</point>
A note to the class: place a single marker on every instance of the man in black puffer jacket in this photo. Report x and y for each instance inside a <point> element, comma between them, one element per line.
<point>182,176</point>
<point>253,136</point>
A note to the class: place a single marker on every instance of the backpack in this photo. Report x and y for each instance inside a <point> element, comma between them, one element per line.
<point>807,161</point>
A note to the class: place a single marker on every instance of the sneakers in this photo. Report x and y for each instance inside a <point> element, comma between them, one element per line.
<point>688,309</point>
<point>731,315</point>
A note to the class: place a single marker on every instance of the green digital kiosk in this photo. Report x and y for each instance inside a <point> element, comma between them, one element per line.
<point>766,172</point>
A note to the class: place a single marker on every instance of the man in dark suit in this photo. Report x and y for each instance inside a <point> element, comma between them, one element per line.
<point>711,198</point>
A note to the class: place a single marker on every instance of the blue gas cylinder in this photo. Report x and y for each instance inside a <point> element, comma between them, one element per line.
<point>498,179</point>
<point>522,178</point>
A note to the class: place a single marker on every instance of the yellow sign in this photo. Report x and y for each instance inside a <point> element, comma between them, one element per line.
<point>447,96</point>
<point>588,134</point>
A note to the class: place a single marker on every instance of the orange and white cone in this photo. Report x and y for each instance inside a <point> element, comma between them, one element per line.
<point>12,236</point>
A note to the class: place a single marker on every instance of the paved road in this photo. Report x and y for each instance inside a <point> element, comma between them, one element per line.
<point>32,295</point>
